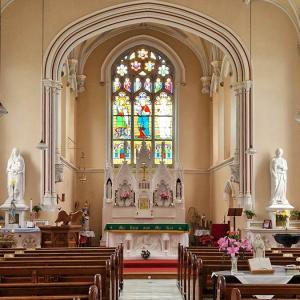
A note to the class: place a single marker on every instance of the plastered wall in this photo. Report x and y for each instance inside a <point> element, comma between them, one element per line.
<point>276,71</point>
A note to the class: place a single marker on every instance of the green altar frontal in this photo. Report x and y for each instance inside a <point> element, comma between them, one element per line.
<point>149,228</point>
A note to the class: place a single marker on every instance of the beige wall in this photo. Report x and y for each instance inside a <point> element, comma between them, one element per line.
<point>276,96</point>
<point>193,128</point>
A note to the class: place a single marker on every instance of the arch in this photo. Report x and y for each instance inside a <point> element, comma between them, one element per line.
<point>146,11</point>
<point>132,13</point>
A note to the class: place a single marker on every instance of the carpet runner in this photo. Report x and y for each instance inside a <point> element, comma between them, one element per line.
<point>154,268</point>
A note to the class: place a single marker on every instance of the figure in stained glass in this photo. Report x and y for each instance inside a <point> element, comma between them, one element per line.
<point>127,84</point>
<point>143,112</point>
<point>116,84</point>
<point>148,85</point>
<point>169,85</point>
<point>122,117</point>
<point>163,112</point>
<point>137,84</point>
<point>157,85</point>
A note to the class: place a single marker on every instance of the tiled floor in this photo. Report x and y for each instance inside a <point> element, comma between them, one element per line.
<point>151,289</point>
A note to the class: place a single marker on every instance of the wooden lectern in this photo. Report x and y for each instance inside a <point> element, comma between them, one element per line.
<point>60,236</point>
<point>234,212</point>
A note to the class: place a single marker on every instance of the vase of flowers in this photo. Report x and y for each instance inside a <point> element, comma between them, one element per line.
<point>124,196</point>
<point>282,218</point>
<point>164,196</point>
<point>234,246</point>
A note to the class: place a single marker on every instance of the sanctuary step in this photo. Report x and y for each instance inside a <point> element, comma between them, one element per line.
<point>150,268</point>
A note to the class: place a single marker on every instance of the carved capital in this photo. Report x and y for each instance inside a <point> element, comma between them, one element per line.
<point>216,64</point>
<point>243,86</point>
<point>206,81</point>
<point>52,84</point>
<point>81,83</point>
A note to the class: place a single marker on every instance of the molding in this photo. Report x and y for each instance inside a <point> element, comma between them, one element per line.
<point>148,41</point>
<point>68,164</point>
<point>221,165</point>
<point>5,4</point>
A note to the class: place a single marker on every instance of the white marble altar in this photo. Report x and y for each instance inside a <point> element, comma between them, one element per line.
<point>143,194</point>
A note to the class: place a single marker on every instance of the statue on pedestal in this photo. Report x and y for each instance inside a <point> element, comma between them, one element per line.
<point>258,246</point>
<point>278,170</point>
<point>16,176</point>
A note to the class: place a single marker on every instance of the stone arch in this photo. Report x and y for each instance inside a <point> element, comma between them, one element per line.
<point>131,13</point>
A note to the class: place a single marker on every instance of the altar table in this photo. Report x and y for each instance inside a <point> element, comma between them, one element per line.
<point>25,237</point>
<point>160,239</point>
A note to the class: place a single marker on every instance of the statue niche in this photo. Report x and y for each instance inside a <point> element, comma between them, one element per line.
<point>163,195</point>
<point>124,195</point>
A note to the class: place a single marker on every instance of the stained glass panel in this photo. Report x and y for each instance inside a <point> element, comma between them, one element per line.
<point>127,84</point>
<point>116,84</point>
<point>137,84</point>
<point>119,153</point>
<point>169,85</point>
<point>138,145</point>
<point>142,104</point>
<point>167,152</point>
<point>157,85</point>
<point>148,85</point>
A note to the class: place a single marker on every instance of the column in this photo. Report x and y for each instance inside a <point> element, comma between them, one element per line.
<point>242,167</point>
<point>51,92</point>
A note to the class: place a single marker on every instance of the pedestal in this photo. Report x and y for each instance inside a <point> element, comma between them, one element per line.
<point>19,214</point>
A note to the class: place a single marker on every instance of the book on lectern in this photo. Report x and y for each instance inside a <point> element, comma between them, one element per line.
<point>260,265</point>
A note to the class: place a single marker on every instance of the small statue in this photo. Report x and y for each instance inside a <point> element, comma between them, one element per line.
<point>16,176</point>
<point>85,217</point>
<point>278,170</point>
<point>12,212</point>
<point>258,247</point>
<point>66,218</point>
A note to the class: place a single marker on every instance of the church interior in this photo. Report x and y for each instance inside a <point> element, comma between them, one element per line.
<point>146,145</point>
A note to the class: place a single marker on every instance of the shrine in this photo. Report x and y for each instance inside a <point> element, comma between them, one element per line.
<point>143,207</point>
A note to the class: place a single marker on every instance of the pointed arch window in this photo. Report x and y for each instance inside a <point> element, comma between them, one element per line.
<point>142,105</point>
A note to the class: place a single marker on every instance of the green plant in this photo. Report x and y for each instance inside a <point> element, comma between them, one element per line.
<point>36,208</point>
<point>249,213</point>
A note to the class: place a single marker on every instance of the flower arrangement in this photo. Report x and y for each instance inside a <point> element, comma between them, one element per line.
<point>295,215</point>
<point>206,240</point>
<point>164,195</point>
<point>233,245</point>
<point>249,213</point>
<point>125,195</point>
<point>282,217</point>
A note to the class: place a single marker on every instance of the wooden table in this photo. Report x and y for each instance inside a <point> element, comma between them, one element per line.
<point>60,236</point>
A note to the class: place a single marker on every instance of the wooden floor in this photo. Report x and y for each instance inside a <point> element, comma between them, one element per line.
<point>150,289</point>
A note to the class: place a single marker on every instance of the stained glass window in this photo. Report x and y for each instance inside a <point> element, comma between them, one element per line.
<point>142,105</point>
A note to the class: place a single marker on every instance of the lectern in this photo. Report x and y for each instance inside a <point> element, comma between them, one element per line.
<point>234,212</point>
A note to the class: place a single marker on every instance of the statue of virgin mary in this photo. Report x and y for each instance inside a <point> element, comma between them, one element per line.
<point>16,176</point>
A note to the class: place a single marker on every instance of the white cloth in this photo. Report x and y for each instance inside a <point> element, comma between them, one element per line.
<point>87,233</point>
<point>200,232</point>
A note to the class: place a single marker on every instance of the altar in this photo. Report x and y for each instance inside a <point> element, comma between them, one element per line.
<point>160,239</point>
<point>143,207</point>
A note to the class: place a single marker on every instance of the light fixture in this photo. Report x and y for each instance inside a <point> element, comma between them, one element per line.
<point>3,110</point>
<point>297,118</point>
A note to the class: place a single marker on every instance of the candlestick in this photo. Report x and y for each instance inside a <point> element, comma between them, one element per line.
<point>30,205</point>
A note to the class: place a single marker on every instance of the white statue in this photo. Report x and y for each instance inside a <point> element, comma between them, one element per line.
<point>278,170</point>
<point>16,176</point>
<point>258,247</point>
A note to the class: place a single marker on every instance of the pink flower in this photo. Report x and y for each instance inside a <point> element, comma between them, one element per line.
<point>233,250</point>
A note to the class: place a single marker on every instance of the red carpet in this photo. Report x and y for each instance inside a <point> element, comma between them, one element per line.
<point>150,266</point>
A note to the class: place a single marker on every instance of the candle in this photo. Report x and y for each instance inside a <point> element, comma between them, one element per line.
<point>30,205</point>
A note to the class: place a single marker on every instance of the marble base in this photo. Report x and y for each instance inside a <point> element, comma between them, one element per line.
<point>25,237</point>
<point>161,245</point>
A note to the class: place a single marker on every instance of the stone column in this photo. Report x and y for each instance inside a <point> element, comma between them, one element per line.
<point>51,92</point>
<point>243,160</point>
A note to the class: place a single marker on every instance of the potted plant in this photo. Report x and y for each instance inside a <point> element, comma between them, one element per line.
<point>249,213</point>
<point>295,215</point>
<point>36,209</point>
